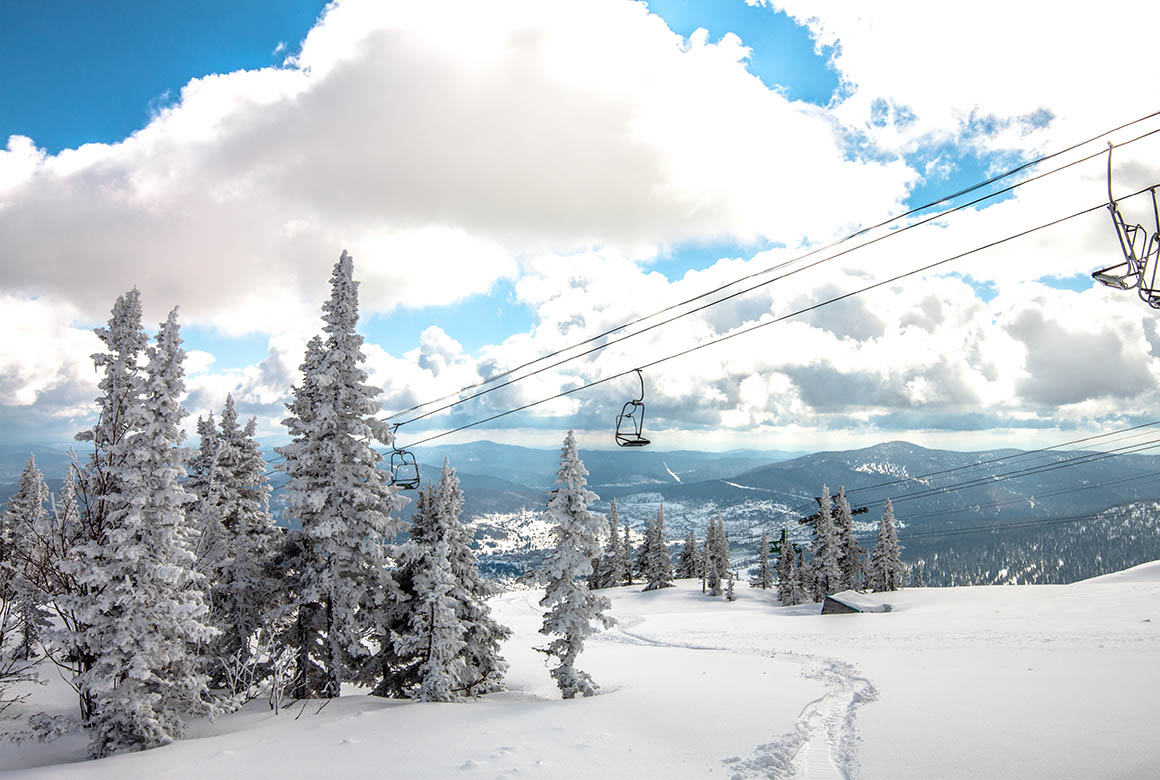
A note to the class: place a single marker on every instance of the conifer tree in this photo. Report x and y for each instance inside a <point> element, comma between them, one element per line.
<point>712,557</point>
<point>687,562</point>
<point>614,567</point>
<point>786,570</point>
<point>435,635</point>
<point>886,569</point>
<point>343,501</point>
<point>207,533</point>
<point>629,554</point>
<point>143,609</point>
<point>722,549</point>
<point>98,484</point>
<point>805,583</point>
<point>659,565</point>
<point>483,667</point>
<point>21,554</point>
<point>244,590</point>
<point>764,578</point>
<point>850,552</point>
<point>574,613</point>
<point>825,550</point>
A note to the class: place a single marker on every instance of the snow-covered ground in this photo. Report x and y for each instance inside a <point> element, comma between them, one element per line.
<point>1047,681</point>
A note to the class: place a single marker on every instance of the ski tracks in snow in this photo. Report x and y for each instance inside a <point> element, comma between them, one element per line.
<point>824,742</point>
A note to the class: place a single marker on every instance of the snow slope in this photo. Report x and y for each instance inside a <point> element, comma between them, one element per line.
<point>986,682</point>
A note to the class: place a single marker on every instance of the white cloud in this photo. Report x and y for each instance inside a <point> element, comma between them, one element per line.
<point>563,146</point>
<point>430,153</point>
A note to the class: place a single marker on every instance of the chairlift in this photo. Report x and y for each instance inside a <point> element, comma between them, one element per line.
<point>404,469</point>
<point>630,421</point>
<point>1141,251</point>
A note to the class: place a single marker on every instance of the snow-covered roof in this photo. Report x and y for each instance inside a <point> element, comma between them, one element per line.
<point>863,602</point>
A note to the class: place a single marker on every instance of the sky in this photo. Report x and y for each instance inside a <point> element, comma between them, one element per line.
<point>517,177</point>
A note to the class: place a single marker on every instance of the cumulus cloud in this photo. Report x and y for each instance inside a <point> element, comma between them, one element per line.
<point>435,158</point>
<point>562,147</point>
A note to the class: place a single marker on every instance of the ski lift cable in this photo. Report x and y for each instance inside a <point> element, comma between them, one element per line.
<point>1015,526</point>
<point>1036,497</point>
<point>1082,459</point>
<point>765,283</point>
<point>1130,449</point>
<point>779,266</point>
<point>805,506</point>
<point>1002,477</point>
<point>758,326</point>
<point>1029,453</point>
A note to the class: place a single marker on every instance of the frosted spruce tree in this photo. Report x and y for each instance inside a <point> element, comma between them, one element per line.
<point>764,578</point>
<point>851,554</point>
<point>143,610</point>
<point>711,569</point>
<point>786,569</point>
<point>629,554</point>
<point>243,590</point>
<point>614,563</point>
<point>804,581</point>
<point>825,550</point>
<point>484,668</point>
<point>22,522</point>
<point>574,613</point>
<point>886,569</point>
<point>340,497</point>
<point>434,635</point>
<point>207,534</point>
<point>658,565</point>
<point>98,482</point>
<point>687,560</point>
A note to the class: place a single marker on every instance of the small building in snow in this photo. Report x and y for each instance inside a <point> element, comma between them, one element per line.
<point>850,601</point>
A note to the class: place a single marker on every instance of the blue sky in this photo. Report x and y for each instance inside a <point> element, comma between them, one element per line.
<point>257,182</point>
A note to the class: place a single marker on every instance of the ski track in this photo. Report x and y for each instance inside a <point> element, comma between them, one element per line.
<point>824,742</point>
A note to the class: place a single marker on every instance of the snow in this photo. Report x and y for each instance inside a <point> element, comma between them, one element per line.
<point>1043,681</point>
<point>671,473</point>
<point>863,602</point>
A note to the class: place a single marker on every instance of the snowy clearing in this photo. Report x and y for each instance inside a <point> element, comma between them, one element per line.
<point>1048,681</point>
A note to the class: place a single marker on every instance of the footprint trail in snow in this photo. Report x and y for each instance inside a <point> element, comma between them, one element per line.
<point>824,742</point>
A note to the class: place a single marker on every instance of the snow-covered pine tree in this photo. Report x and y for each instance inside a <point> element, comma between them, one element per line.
<point>244,590</point>
<point>629,554</point>
<point>825,550</point>
<point>395,669</point>
<point>659,566</point>
<point>207,536</point>
<point>483,667</point>
<point>851,554</point>
<point>614,563</point>
<point>804,582</point>
<point>24,557</point>
<point>435,634</point>
<point>687,561</point>
<point>729,596</point>
<point>886,569</point>
<point>764,578</point>
<point>640,561</point>
<point>343,502</point>
<point>98,484</point>
<point>144,608</point>
<point>574,613</point>
<point>722,549</point>
<point>711,556</point>
<point>786,569</point>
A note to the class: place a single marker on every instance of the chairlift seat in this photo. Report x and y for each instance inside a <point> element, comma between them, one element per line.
<point>404,470</point>
<point>630,424</point>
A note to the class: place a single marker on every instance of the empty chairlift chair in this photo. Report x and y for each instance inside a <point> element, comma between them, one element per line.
<point>404,469</point>
<point>630,421</point>
<point>1140,250</point>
